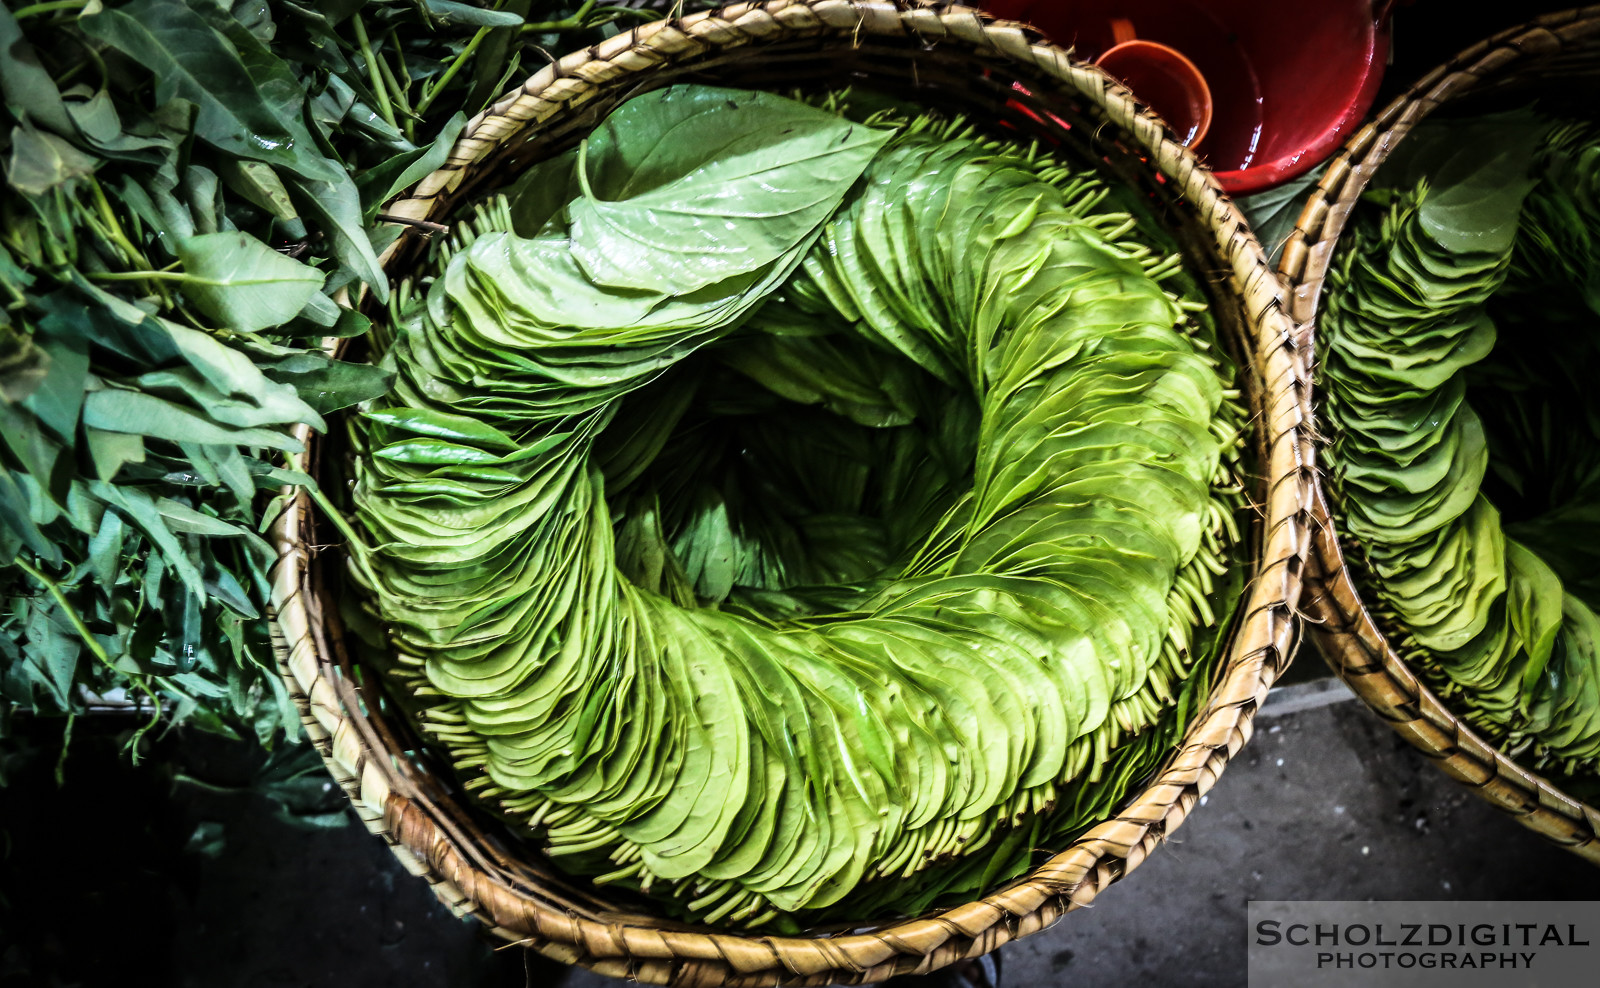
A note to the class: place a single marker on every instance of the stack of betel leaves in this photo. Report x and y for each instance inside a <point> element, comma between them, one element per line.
<point>793,512</point>
<point>1460,341</point>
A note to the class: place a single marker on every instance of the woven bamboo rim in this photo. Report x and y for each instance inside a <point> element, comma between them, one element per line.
<point>469,865</point>
<point>1345,632</point>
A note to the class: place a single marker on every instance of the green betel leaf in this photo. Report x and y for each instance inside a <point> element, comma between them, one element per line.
<point>1480,214</point>
<point>1477,172</point>
<point>242,283</point>
<point>1533,604</point>
<point>689,186</point>
<point>540,196</point>
<point>1460,348</point>
<point>442,425</point>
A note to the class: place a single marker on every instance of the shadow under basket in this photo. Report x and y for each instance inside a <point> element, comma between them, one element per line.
<point>1010,81</point>
<point>1555,58</point>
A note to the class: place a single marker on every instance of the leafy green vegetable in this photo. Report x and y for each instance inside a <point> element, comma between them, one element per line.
<point>1461,340</point>
<point>189,186</point>
<point>242,283</point>
<point>41,161</point>
<point>797,512</point>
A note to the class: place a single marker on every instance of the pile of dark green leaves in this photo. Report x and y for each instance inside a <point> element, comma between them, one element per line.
<point>191,190</point>
<point>806,514</point>
<point>1461,342</point>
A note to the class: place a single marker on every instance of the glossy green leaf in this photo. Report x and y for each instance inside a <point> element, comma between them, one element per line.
<point>116,410</point>
<point>242,283</point>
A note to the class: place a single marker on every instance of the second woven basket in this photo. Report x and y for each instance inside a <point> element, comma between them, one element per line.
<point>1542,58</point>
<point>1009,80</point>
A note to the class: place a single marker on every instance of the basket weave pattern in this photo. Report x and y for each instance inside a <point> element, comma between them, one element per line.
<point>525,902</point>
<point>1345,632</point>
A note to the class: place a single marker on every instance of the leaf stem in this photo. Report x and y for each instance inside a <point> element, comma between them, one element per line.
<point>137,275</point>
<point>583,169</point>
<point>373,71</point>
<point>412,116</point>
<point>183,778</point>
<point>433,91</point>
<point>428,225</point>
<point>566,24</point>
<point>33,10</point>
<point>135,256</point>
<point>338,520</point>
<point>18,297</point>
<point>617,13</point>
<point>102,235</point>
<point>56,246</point>
<point>66,742</point>
<point>114,232</point>
<point>54,589</point>
<point>92,57</point>
<point>71,612</point>
<point>398,93</point>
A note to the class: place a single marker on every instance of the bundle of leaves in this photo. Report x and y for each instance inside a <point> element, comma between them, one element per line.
<point>813,517</point>
<point>1461,337</point>
<point>191,188</point>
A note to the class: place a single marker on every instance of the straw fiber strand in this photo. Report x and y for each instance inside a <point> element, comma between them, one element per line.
<point>1346,633</point>
<point>949,53</point>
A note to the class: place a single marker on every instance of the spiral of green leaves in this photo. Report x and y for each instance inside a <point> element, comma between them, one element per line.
<point>799,506</point>
<point>1461,331</point>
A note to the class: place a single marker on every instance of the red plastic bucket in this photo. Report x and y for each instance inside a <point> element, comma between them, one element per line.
<point>1167,81</point>
<point>1289,81</point>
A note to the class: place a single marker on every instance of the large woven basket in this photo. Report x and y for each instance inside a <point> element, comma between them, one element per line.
<point>948,57</point>
<point>1536,58</point>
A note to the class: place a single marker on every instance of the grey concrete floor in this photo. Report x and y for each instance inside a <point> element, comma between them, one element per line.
<point>1324,803</point>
